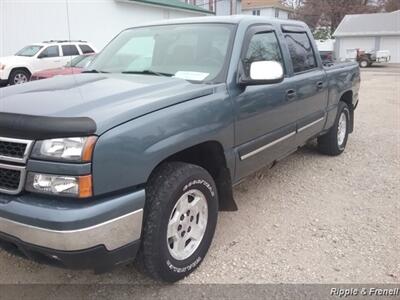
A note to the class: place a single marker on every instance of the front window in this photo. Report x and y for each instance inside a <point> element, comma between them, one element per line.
<point>29,51</point>
<point>51,51</point>
<point>195,52</point>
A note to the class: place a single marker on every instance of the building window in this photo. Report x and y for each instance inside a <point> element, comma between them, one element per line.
<point>276,13</point>
<point>256,12</point>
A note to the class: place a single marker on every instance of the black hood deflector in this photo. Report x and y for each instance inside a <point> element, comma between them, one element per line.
<point>39,127</point>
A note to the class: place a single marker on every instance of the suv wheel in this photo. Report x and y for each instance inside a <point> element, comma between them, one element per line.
<point>18,77</point>
<point>335,140</point>
<point>180,218</point>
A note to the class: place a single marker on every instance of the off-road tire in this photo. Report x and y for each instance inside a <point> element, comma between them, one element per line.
<point>164,188</point>
<point>328,143</point>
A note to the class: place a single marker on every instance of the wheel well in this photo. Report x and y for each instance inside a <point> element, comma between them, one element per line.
<point>347,97</point>
<point>210,156</point>
<point>20,68</point>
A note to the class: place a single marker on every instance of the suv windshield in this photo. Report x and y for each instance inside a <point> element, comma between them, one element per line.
<point>196,52</point>
<point>29,51</point>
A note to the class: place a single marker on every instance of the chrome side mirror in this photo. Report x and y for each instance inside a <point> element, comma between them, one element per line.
<point>263,72</point>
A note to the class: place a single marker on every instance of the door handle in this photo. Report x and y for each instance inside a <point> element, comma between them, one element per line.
<point>291,95</point>
<point>320,85</point>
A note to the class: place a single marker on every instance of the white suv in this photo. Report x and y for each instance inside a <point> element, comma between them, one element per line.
<point>18,68</point>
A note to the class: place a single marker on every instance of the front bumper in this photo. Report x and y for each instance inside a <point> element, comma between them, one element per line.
<point>63,229</point>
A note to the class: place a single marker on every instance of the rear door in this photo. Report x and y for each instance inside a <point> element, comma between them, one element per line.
<point>69,52</point>
<point>265,114</point>
<point>311,83</point>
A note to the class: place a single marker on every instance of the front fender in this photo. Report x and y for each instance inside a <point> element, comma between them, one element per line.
<point>126,155</point>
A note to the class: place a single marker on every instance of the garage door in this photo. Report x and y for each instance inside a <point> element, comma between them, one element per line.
<point>363,43</point>
<point>393,45</point>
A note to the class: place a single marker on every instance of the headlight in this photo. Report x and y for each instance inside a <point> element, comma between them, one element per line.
<point>73,186</point>
<point>79,149</point>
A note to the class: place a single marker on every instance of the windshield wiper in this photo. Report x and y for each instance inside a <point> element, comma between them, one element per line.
<point>93,71</point>
<point>148,72</point>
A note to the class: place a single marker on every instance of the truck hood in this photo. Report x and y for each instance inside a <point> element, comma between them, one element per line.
<point>107,99</point>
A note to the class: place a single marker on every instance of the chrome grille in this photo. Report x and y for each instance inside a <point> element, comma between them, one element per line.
<point>14,150</point>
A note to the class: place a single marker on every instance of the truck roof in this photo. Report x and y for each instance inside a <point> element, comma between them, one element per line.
<point>236,19</point>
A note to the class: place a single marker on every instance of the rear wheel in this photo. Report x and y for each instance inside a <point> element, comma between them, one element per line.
<point>180,218</point>
<point>335,140</point>
<point>18,76</point>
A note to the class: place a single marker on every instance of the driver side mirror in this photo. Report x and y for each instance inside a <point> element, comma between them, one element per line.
<point>262,72</point>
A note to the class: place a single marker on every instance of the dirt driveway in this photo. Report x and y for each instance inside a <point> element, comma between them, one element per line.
<point>310,219</point>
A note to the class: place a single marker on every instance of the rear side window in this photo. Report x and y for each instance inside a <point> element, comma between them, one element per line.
<point>70,50</point>
<point>301,51</point>
<point>263,46</point>
<point>86,49</point>
<point>51,51</point>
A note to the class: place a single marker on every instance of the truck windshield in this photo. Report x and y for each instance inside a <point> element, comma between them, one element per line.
<point>29,51</point>
<point>195,52</point>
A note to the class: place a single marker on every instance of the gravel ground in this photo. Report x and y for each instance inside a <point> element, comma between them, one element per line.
<point>310,219</point>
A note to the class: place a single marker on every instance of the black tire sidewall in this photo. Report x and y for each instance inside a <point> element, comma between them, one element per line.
<point>343,109</point>
<point>14,73</point>
<point>169,268</point>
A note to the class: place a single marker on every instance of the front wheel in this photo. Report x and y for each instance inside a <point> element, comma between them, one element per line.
<point>335,140</point>
<point>180,218</point>
<point>364,63</point>
<point>18,77</point>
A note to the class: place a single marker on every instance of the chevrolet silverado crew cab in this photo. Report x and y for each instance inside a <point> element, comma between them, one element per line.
<point>18,68</point>
<point>136,156</point>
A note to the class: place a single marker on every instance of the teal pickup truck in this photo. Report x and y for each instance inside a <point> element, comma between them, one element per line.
<point>136,156</point>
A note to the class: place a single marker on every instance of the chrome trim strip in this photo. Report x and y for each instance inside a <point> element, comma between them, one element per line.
<point>112,234</point>
<point>310,124</point>
<point>28,148</point>
<point>243,157</point>
<point>22,177</point>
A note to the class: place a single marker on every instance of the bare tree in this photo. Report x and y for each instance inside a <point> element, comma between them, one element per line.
<point>392,5</point>
<point>330,13</point>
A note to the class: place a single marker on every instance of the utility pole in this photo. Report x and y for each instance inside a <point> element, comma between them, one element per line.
<point>233,7</point>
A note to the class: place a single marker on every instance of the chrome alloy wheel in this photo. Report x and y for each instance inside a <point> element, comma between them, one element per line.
<point>20,78</point>
<point>187,224</point>
<point>342,129</point>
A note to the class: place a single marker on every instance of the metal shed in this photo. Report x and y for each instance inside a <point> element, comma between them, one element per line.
<point>379,31</point>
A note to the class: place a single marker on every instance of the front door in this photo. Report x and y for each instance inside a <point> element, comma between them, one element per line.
<point>265,114</point>
<point>49,58</point>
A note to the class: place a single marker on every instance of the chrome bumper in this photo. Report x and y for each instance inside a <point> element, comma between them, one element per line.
<point>112,234</point>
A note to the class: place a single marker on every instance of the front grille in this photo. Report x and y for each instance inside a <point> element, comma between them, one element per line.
<point>13,157</point>
<point>10,180</point>
<point>10,149</point>
<point>14,150</point>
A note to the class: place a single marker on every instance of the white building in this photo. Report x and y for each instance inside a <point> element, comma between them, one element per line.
<point>380,31</point>
<point>23,22</point>
<point>266,8</point>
